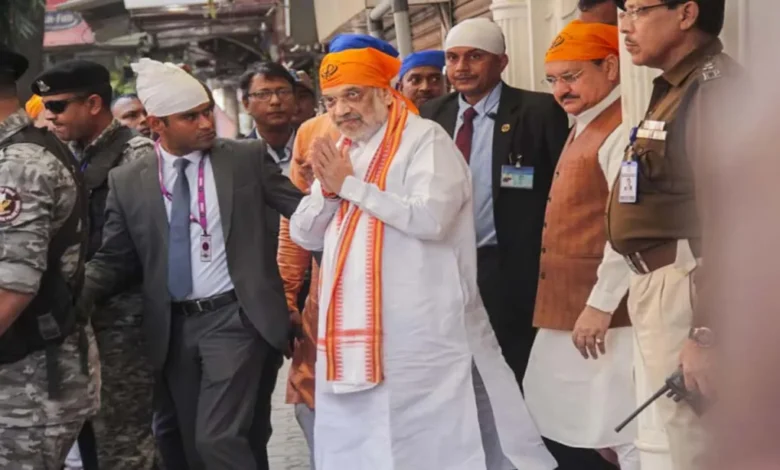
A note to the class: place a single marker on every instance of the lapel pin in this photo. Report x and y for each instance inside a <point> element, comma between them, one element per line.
<point>505,128</point>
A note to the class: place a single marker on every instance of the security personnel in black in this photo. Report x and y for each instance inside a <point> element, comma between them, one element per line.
<point>656,210</point>
<point>76,95</point>
<point>48,357</point>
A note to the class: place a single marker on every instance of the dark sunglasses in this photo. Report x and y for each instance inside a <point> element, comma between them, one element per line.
<point>59,106</point>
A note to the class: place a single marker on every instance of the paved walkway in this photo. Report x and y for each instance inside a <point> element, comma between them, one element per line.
<point>287,449</point>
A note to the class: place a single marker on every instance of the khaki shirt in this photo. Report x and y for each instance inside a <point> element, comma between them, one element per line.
<point>666,207</point>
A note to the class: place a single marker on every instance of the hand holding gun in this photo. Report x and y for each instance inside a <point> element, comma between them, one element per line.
<point>674,388</point>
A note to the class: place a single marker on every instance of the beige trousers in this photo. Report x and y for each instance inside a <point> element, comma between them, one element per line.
<point>659,305</point>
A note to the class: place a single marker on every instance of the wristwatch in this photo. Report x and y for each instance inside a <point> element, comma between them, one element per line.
<point>702,336</point>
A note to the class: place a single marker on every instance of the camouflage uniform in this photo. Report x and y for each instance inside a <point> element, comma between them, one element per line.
<point>35,431</point>
<point>123,427</point>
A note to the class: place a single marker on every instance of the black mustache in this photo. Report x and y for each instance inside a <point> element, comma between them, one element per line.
<point>568,96</point>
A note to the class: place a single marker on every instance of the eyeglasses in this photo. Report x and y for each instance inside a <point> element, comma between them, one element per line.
<point>59,106</point>
<point>637,12</point>
<point>567,78</point>
<point>265,95</point>
<point>352,97</point>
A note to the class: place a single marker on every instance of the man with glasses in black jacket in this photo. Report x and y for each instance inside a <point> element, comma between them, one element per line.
<point>268,93</point>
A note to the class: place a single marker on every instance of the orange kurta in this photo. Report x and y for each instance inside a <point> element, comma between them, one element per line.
<point>293,262</point>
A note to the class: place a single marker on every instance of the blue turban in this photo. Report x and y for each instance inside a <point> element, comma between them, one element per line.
<point>422,59</point>
<point>344,42</point>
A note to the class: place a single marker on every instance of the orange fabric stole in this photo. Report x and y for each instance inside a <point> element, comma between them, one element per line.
<point>348,217</point>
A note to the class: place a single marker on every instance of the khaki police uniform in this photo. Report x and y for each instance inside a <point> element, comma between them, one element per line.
<point>660,234</point>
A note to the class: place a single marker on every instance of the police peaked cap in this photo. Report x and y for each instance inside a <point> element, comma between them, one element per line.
<point>71,76</point>
<point>12,63</point>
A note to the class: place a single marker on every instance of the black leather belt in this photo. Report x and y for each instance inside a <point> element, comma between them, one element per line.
<point>194,307</point>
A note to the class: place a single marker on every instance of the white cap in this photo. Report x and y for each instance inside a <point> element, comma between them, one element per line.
<point>165,89</point>
<point>477,33</point>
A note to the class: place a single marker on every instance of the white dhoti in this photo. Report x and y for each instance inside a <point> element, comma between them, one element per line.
<point>577,401</point>
<point>424,414</point>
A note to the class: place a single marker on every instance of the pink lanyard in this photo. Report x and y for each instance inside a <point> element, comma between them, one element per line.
<point>201,220</point>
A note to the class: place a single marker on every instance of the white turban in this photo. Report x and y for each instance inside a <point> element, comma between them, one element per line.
<point>165,89</point>
<point>477,33</point>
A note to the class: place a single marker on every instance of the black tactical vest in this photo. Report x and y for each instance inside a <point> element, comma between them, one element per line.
<point>51,317</point>
<point>99,161</point>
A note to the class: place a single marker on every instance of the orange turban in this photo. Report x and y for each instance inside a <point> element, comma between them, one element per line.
<point>584,41</point>
<point>34,107</point>
<point>362,67</point>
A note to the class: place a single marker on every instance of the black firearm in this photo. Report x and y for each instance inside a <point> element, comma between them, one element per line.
<point>674,388</point>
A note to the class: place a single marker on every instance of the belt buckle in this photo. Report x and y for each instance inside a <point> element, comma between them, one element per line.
<point>636,263</point>
<point>197,307</point>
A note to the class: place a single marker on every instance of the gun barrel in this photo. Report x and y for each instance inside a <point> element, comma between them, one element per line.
<point>644,405</point>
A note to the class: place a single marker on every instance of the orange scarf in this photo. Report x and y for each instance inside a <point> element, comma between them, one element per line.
<point>348,216</point>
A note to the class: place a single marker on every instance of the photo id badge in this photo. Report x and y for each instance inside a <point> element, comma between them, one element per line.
<point>205,248</point>
<point>628,182</point>
<point>517,177</point>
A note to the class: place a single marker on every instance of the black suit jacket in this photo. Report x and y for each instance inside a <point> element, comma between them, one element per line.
<point>272,217</point>
<point>533,125</point>
<point>135,239</point>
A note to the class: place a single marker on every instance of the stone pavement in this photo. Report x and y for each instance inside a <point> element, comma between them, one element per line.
<point>287,449</point>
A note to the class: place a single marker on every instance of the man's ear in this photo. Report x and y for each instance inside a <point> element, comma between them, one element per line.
<point>689,14</point>
<point>385,95</point>
<point>94,104</point>
<point>503,60</point>
<point>156,124</point>
<point>613,67</point>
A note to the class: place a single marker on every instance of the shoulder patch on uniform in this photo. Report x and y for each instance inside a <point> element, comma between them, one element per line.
<point>140,141</point>
<point>710,71</point>
<point>10,204</point>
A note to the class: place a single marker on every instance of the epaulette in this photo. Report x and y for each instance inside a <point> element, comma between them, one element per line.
<point>710,71</point>
<point>140,141</point>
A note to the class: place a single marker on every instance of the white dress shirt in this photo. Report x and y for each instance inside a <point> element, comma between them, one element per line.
<point>209,278</point>
<point>481,162</point>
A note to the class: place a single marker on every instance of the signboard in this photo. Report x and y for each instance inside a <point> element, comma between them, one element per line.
<point>169,4</point>
<point>65,28</point>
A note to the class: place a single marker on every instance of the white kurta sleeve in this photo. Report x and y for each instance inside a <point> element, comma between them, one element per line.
<point>310,221</point>
<point>613,273</point>
<point>436,186</point>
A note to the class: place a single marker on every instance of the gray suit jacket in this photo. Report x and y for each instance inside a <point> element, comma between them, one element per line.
<point>135,240</point>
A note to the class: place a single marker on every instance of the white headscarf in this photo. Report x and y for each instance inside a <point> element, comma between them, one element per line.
<point>478,33</point>
<point>165,89</point>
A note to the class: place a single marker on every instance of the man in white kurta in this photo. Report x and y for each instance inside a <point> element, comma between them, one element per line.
<point>577,395</point>
<point>401,322</point>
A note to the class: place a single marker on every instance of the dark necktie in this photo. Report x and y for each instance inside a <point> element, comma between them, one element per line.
<point>466,131</point>
<point>179,254</point>
<point>281,153</point>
